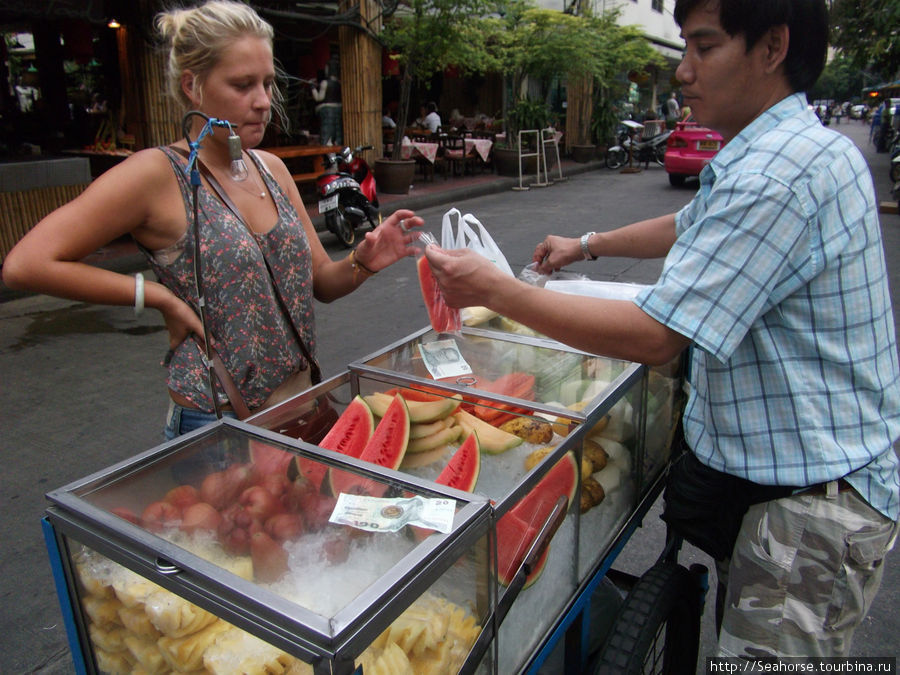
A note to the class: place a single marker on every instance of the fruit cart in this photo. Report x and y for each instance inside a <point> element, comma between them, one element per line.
<point>570,451</point>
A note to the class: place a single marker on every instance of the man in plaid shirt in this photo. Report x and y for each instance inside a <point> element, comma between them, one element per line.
<point>775,276</point>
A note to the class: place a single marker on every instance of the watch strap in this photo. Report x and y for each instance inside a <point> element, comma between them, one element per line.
<point>586,252</point>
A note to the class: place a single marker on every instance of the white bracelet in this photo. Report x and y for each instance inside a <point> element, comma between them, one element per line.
<point>138,294</point>
<point>585,250</point>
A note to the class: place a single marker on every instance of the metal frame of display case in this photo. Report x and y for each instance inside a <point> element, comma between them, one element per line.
<point>315,639</point>
<point>570,625</point>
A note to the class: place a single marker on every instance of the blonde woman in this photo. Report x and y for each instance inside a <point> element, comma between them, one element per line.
<point>262,262</point>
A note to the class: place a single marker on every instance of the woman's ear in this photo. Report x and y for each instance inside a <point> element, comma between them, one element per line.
<point>188,86</point>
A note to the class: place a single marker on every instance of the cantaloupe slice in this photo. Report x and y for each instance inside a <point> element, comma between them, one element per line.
<point>419,411</point>
<point>491,439</point>
<point>442,437</point>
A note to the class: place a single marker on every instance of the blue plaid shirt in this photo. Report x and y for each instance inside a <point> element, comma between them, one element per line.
<point>778,277</point>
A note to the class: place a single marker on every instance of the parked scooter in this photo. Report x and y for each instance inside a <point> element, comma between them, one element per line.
<point>347,194</point>
<point>895,162</point>
<point>651,149</point>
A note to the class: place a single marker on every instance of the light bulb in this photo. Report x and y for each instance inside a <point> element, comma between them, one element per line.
<point>238,166</point>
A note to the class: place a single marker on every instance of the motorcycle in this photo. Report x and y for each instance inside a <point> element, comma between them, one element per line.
<point>895,162</point>
<point>648,150</point>
<point>347,194</point>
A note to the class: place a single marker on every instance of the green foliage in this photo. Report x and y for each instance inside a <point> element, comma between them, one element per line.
<point>604,119</point>
<point>429,35</point>
<point>527,42</point>
<point>867,32</point>
<point>527,114</point>
<point>839,81</point>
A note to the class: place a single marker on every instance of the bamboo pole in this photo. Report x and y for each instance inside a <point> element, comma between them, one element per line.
<point>361,79</point>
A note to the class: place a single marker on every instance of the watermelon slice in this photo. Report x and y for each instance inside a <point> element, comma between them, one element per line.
<point>352,431</point>
<point>535,507</point>
<point>514,539</point>
<point>515,385</point>
<point>463,468</point>
<point>443,319</point>
<point>386,447</point>
<point>461,473</point>
<point>517,529</point>
<point>348,436</point>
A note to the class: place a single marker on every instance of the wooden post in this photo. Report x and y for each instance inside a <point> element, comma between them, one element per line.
<point>361,78</point>
<point>580,92</point>
<point>131,100</point>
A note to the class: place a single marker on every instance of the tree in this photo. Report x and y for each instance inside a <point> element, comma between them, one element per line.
<point>839,81</point>
<point>867,32</point>
<point>531,43</point>
<point>426,36</point>
<point>615,50</point>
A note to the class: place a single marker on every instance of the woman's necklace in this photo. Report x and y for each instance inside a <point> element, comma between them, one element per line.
<point>258,191</point>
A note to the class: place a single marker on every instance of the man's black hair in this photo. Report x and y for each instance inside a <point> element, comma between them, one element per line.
<point>807,22</point>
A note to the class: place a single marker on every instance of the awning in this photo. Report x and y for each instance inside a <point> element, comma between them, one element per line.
<point>882,87</point>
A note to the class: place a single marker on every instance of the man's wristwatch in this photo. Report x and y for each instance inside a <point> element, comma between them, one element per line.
<point>584,246</point>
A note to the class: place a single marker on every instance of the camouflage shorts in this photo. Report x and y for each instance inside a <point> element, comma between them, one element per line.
<point>803,574</point>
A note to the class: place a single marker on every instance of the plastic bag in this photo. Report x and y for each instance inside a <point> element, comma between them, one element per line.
<point>530,275</point>
<point>444,319</point>
<point>466,231</point>
<point>466,236</point>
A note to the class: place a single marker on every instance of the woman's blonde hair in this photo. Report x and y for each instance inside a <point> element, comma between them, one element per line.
<point>197,36</point>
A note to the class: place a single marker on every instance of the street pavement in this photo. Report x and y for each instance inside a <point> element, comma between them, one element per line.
<point>83,386</point>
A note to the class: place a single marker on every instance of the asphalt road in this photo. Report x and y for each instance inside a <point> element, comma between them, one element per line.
<point>83,387</point>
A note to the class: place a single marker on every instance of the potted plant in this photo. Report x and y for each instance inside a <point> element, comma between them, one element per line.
<point>426,36</point>
<point>604,120</point>
<point>525,114</point>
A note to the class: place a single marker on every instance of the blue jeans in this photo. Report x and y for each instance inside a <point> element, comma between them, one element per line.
<point>180,420</point>
<point>194,465</point>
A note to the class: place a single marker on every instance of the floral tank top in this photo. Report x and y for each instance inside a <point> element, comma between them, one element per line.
<point>249,329</point>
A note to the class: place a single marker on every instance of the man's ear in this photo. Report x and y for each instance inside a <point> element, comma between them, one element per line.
<point>776,42</point>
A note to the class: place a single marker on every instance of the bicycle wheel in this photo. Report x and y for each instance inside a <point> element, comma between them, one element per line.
<point>615,157</point>
<point>657,629</point>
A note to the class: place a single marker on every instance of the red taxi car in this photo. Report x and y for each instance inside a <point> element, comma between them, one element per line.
<point>689,149</point>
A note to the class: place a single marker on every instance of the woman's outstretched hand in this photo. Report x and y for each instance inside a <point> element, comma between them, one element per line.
<point>389,242</point>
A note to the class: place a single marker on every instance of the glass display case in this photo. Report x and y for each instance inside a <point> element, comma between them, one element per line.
<point>214,553</point>
<point>551,422</point>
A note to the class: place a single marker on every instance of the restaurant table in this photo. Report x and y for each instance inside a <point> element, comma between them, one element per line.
<point>481,146</point>
<point>423,149</point>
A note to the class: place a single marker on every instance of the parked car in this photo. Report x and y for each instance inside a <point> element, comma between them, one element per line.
<point>859,111</point>
<point>689,149</point>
